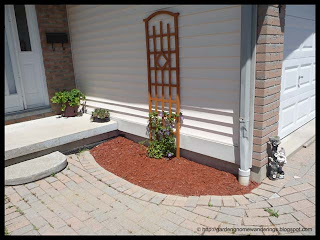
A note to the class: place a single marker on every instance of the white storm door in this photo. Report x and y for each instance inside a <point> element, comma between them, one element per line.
<point>27,43</point>
<point>13,94</point>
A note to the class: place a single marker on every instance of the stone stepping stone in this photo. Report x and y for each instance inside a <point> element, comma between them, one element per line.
<point>35,169</point>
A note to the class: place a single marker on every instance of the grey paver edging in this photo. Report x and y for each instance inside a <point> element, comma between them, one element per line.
<point>117,183</point>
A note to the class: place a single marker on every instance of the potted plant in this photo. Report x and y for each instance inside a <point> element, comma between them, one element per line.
<point>69,100</point>
<point>100,115</point>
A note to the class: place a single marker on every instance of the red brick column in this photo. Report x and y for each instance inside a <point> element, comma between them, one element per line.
<point>58,64</point>
<point>269,55</point>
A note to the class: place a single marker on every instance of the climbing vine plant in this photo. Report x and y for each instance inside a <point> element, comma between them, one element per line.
<point>161,129</point>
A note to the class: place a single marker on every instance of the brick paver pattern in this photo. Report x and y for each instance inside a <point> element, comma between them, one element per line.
<point>85,199</point>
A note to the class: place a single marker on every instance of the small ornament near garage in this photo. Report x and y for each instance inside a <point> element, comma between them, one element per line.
<point>277,158</point>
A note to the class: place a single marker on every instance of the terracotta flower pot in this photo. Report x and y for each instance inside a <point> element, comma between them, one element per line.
<point>70,111</point>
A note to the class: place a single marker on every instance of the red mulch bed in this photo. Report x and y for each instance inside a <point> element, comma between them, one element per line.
<point>129,161</point>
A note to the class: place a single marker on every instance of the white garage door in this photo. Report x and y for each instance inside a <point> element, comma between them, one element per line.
<point>297,100</point>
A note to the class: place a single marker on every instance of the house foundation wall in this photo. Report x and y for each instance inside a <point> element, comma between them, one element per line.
<point>193,156</point>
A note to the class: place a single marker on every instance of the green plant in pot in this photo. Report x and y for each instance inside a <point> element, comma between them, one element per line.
<point>100,115</point>
<point>69,100</point>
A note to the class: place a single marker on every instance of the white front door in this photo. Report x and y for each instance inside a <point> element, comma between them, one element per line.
<point>26,48</point>
<point>297,99</point>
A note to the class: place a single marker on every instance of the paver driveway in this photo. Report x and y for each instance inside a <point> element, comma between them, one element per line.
<point>85,199</point>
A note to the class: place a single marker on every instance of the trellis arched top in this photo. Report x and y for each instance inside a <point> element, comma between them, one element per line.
<point>160,12</point>
<point>163,66</point>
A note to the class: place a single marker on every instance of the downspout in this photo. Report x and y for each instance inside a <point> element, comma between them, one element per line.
<point>247,89</point>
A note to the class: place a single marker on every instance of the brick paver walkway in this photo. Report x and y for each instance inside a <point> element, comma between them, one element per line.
<point>85,199</point>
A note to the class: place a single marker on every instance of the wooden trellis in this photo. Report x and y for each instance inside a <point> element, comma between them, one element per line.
<point>166,55</point>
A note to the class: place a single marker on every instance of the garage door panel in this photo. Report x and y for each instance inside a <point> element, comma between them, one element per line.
<point>308,44</point>
<point>312,106</point>
<point>287,115</point>
<point>299,39</point>
<point>305,74</point>
<point>303,107</point>
<point>297,99</point>
<point>290,75</point>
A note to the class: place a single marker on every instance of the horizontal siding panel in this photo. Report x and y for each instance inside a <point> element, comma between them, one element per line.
<point>216,96</point>
<point>198,63</point>
<point>184,73</point>
<point>214,51</point>
<point>227,26</point>
<point>232,25</point>
<point>209,123</point>
<point>113,108</point>
<point>109,57</point>
<point>188,83</point>
<point>209,115</point>
<point>134,15</point>
<point>138,41</point>
<point>213,63</point>
<point>209,73</point>
<point>200,52</point>
<point>123,11</point>
<point>232,38</point>
<point>211,84</point>
<point>205,126</point>
<point>208,135</point>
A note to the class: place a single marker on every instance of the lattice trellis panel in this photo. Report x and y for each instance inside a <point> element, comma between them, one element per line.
<point>163,65</point>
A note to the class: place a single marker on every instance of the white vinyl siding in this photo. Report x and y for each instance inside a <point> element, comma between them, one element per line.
<point>109,57</point>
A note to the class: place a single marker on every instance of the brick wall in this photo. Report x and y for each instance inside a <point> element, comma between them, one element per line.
<point>269,55</point>
<point>58,64</point>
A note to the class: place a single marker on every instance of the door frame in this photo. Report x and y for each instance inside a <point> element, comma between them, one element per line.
<point>35,45</point>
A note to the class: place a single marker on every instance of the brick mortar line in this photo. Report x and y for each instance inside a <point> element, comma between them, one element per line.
<point>267,118</point>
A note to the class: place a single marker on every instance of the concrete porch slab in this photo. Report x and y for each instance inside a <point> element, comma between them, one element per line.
<point>35,169</point>
<point>40,134</point>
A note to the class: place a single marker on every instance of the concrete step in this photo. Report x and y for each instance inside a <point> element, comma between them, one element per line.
<point>31,139</point>
<point>302,136</point>
<point>35,169</point>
